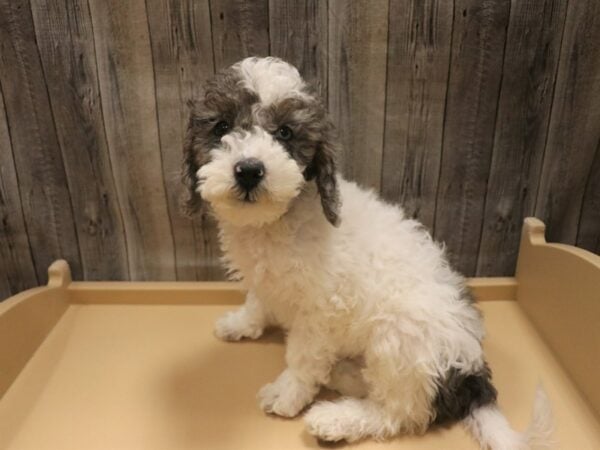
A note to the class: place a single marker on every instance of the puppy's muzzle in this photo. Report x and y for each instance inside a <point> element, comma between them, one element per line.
<point>248,173</point>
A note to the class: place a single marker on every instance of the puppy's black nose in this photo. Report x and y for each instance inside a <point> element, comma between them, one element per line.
<point>248,173</point>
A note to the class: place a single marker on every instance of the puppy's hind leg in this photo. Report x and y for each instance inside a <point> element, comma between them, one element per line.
<point>398,400</point>
<point>249,321</point>
<point>347,379</point>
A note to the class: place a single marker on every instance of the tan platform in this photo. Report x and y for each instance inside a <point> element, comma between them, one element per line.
<point>87,365</point>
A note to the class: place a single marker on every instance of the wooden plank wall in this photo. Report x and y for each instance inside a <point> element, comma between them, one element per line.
<point>471,113</point>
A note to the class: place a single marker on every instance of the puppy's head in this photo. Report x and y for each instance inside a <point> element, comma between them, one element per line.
<point>254,141</point>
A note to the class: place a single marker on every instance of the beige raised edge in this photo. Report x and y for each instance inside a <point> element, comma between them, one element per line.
<point>558,287</point>
<point>226,293</point>
<point>493,288</point>
<point>155,293</point>
<point>129,365</point>
<point>27,318</point>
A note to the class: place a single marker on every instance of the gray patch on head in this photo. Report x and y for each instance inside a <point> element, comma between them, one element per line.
<point>307,120</point>
<point>224,99</point>
<point>313,146</point>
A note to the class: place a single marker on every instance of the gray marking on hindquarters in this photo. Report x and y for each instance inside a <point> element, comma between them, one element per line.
<point>460,393</point>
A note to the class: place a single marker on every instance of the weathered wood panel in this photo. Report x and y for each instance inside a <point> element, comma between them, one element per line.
<point>588,235</point>
<point>417,77</point>
<point>45,196</point>
<point>470,113</point>
<point>66,46</point>
<point>357,59</point>
<point>574,130</point>
<point>530,63</point>
<point>239,28</point>
<point>298,34</point>
<point>475,71</point>
<point>17,271</point>
<point>183,60</point>
<point>126,79</point>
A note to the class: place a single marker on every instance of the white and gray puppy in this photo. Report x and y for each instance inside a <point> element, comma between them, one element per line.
<point>368,300</point>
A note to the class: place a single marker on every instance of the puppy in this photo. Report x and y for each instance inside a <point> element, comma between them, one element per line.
<point>370,305</point>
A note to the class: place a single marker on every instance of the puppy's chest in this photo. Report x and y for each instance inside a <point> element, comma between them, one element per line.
<point>274,268</point>
<point>280,272</point>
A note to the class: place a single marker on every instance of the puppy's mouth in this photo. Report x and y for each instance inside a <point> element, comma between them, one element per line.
<point>247,195</point>
<point>237,194</point>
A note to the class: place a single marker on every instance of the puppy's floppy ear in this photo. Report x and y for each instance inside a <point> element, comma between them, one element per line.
<point>323,169</point>
<point>191,201</point>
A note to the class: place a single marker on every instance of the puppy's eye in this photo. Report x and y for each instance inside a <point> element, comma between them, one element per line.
<point>284,133</point>
<point>221,128</point>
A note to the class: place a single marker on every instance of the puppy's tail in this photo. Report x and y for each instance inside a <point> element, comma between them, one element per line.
<point>491,429</point>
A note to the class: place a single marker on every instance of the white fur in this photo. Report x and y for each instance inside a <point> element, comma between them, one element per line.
<point>270,78</point>
<point>281,184</point>
<point>377,287</point>
<point>377,290</point>
<point>491,429</point>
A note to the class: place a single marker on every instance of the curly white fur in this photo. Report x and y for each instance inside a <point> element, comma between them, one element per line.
<point>353,291</point>
<point>271,78</point>
<point>374,301</point>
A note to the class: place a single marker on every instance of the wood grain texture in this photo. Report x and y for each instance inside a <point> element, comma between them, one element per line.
<point>17,271</point>
<point>471,114</point>
<point>66,46</point>
<point>588,235</point>
<point>574,130</point>
<point>417,77</point>
<point>529,72</point>
<point>475,71</point>
<point>356,88</point>
<point>239,28</point>
<point>298,34</point>
<point>45,195</point>
<point>183,60</point>
<point>126,80</point>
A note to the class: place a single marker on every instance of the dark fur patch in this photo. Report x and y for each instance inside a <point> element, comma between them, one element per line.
<point>459,394</point>
<point>307,120</point>
<point>314,146</point>
<point>468,296</point>
<point>223,99</point>
<point>324,169</point>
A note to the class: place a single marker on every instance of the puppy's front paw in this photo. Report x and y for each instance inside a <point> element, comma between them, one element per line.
<point>236,325</point>
<point>286,396</point>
